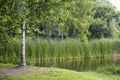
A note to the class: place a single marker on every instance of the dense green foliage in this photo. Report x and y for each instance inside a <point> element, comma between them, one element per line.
<point>58,30</point>
<point>104,21</point>
<point>59,19</point>
<point>46,18</point>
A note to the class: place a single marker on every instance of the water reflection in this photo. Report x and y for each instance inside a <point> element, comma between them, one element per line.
<point>80,65</point>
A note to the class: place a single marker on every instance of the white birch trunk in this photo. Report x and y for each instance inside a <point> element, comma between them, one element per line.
<point>23,63</point>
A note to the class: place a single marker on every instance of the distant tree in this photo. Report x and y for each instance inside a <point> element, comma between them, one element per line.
<point>98,29</point>
<point>105,13</point>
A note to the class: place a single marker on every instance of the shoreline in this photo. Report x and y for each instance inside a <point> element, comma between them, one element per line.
<point>75,58</point>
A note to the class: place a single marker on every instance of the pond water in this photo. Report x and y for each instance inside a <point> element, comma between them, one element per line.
<point>80,65</point>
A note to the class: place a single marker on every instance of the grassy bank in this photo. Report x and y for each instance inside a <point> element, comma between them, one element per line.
<point>41,49</point>
<point>59,74</point>
<point>111,70</point>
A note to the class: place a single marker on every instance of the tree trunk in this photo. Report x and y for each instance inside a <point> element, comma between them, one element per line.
<point>23,63</point>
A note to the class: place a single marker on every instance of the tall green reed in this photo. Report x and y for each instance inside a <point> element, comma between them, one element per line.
<point>48,49</point>
<point>10,52</point>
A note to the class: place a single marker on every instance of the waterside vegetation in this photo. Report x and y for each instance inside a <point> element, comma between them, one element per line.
<point>43,49</point>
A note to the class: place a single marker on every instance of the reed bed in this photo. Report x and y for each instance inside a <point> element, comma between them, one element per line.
<point>48,49</point>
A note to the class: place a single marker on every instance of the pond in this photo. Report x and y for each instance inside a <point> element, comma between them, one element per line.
<point>81,64</point>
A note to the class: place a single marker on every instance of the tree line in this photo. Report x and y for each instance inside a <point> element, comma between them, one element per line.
<point>59,19</point>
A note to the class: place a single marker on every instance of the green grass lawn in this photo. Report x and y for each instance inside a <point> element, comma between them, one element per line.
<point>60,74</point>
<point>6,65</point>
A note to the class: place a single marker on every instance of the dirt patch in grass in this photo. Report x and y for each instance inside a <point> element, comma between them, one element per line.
<point>22,71</point>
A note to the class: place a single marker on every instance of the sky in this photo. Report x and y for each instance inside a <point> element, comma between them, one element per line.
<point>116,3</point>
